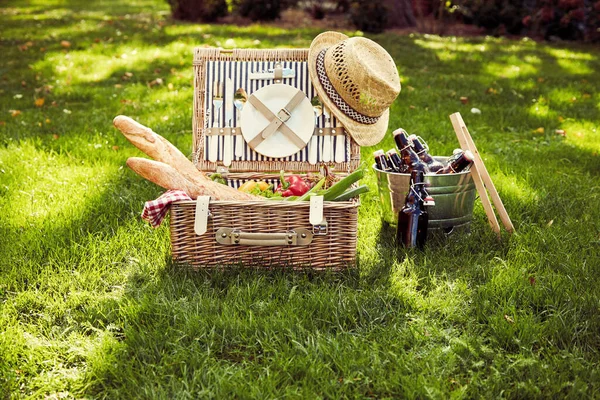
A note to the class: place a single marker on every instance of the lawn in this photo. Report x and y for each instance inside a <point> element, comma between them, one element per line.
<point>92,306</point>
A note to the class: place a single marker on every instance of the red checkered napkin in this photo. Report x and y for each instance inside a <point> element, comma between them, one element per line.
<point>156,210</point>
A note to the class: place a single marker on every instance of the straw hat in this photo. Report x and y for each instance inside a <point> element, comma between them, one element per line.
<point>357,80</point>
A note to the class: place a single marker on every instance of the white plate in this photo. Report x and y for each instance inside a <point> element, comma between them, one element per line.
<point>275,97</point>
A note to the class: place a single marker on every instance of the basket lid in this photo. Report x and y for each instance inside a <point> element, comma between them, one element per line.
<point>218,142</point>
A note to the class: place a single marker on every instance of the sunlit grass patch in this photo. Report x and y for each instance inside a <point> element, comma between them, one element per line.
<point>91,305</point>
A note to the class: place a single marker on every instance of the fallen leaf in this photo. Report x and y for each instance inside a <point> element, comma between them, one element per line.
<point>491,91</point>
<point>2,123</point>
<point>549,224</point>
<point>156,82</point>
<point>65,43</point>
<point>475,110</point>
<point>531,280</point>
<point>67,111</point>
<point>539,130</point>
<point>170,86</point>
<point>256,42</point>
<point>48,121</point>
<point>561,132</point>
<point>586,96</point>
<point>165,118</point>
<point>410,88</point>
<point>540,79</point>
<point>23,83</point>
<point>412,107</point>
<point>18,96</point>
<point>509,319</point>
<point>39,102</point>
<point>118,86</point>
<point>560,119</point>
<point>55,136</point>
<point>464,99</point>
<point>115,148</point>
<point>14,113</point>
<point>573,99</point>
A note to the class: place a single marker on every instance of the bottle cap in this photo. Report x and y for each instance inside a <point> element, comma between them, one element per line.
<point>399,131</point>
<point>392,151</point>
<point>428,201</point>
<point>469,156</point>
<point>456,151</point>
<point>378,153</point>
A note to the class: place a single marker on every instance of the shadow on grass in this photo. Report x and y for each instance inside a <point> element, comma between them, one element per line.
<point>221,328</point>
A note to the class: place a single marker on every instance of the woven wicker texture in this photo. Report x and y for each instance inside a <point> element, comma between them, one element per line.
<point>363,75</point>
<point>336,249</point>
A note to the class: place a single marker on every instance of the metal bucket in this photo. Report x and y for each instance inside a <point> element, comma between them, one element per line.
<point>454,196</point>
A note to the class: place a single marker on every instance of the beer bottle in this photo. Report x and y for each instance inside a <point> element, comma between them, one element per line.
<point>395,161</point>
<point>407,153</point>
<point>459,163</point>
<point>432,164</point>
<point>381,161</point>
<point>413,219</point>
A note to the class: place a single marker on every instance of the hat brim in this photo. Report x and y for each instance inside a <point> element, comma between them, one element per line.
<point>365,135</point>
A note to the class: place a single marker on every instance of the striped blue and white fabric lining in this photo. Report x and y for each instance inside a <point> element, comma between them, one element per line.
<point>238,72</point>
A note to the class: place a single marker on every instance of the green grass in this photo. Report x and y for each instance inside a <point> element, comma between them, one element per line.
<point>91,306</point>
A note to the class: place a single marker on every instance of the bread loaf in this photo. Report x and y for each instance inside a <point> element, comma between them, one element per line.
<point>169,178</point>
<point>158,148</point>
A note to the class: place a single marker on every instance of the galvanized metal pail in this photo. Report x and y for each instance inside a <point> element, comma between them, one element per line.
<point>454,196</point>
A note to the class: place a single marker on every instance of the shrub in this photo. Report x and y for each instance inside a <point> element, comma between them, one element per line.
<point>368,15</point>
<point>259,10</point>
<point>564,19</point>
<point>198,10</point>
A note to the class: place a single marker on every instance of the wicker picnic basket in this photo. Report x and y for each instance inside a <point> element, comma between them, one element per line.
<point>263,233</point>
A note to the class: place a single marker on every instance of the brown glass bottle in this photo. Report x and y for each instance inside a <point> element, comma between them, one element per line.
<point>432,164</point>
<point>395,160</point>
<point>407,153</point>
<point>459,163</point>
<point>413,219</point>
<point>381,161</point>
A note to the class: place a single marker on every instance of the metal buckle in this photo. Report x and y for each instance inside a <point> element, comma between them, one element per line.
<point>283,115</point>
<point>320,229</point>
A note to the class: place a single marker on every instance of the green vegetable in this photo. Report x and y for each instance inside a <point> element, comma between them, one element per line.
<point>218,178</point>
<point>290,198</point>
<point>341,186</point>
<point>313,190</point>
<point>347,195</point>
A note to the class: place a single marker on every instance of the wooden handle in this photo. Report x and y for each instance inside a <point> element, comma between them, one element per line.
<point>169,178</point>
<point>460,127</point>
<point>157,147</point>
<point>475,173</point>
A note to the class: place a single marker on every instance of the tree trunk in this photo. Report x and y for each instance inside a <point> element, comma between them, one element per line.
<point>400,14</point>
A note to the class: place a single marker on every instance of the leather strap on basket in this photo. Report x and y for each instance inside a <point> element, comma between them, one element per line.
<point>277,121</point>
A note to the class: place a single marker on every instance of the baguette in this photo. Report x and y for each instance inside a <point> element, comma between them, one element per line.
<point>158,148</point>
<point>168,177</point>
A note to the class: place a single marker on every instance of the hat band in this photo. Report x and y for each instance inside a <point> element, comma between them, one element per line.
<point>340,103</point>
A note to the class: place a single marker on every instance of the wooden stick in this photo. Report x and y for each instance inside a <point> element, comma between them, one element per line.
<point>487,206</point>
<point>157,147</point>
<point>460,127</point>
